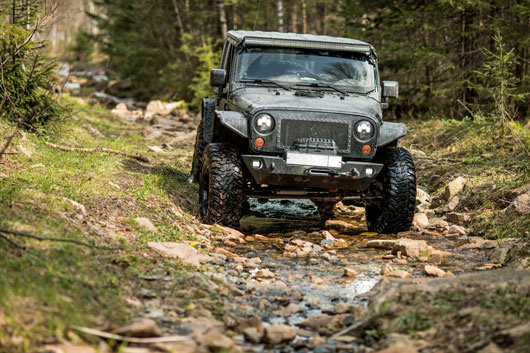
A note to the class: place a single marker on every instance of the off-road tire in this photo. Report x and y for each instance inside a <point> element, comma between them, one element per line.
<point>221,185</point>
<point>200,145</point>
<point>398,180</point>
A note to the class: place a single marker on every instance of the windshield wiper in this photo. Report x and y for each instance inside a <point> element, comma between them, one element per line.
<point>320,84</point>
<point>261,80</point>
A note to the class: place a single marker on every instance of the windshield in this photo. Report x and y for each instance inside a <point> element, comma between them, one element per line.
<point>347,70</point>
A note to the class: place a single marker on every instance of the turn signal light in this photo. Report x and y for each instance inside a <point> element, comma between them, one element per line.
<point>259,142</point>
<point>366,149</point>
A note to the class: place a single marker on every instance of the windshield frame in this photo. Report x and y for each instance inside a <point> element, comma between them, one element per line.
<point>370,60</point>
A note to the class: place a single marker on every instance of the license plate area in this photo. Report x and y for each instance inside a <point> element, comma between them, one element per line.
<point>313,160</point>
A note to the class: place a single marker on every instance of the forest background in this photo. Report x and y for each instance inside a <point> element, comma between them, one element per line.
<point>450,57</point>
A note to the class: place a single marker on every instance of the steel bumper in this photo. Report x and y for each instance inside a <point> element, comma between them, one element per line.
<point>273,170</point>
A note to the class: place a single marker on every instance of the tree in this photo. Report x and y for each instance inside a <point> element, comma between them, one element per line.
<point>497,79</point>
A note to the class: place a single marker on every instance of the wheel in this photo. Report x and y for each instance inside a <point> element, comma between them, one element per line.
<point>398,186</point>
<point>221,185</point>
<point>196,165</point>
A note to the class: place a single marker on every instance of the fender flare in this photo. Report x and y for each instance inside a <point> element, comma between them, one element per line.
<point>234,121</point>
<point>207,116</point>
<point>390,132</point>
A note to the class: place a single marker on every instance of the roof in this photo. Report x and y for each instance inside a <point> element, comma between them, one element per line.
<point>298,40</point>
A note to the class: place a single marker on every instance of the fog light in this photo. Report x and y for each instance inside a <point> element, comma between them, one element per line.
<point>369,172</point>
<point>259,142</point>
<point>256,164</point>
<point>366,149</point>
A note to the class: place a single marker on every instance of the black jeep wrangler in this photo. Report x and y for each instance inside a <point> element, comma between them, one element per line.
<point>299,116</point>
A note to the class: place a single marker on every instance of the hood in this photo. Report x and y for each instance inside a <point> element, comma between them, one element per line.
<point>253,99</point>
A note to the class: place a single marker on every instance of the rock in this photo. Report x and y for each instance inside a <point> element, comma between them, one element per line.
<point>230,255</point>
<point>399,347</point>
<point>327,236</point>
<point>423,201</point>
<point>454,229</point>
<point>216,341</point>
<point>278,333</point>
<point>341,226</point>
<point>156,149</point>
<point>140,328</point>
<point>233,233</point>
<point>286,311</point>
<point>422,196</point>
<point>411,247</point>
<point>184,252</point>
<point>438,223</point>
<point>348,272</point>
<point>79,207</point>
<point>146,223</point>
<point>316,321</point>
<point>399,274</point>
<point>504,254</point>
<point>316,341</point>
<point>155,107</point>
<point>342,308</point>
<point>520,205</point>
<point>153,135</point>
<point>451,205</point>
<point>421,220</point>
<point>384,244</point>
<point>434,271</point>
<point>252,334</point>
<point>479,243</point>
<point>264,274</point>
<point>386,269</point>
<point>341,243</point>
<point>454,187</point>
<point>458,218</point>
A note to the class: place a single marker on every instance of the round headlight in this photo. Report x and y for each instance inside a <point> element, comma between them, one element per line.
<point>364,130</point>
<point>264,123</point>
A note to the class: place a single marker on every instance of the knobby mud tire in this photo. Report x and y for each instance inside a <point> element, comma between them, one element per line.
<point>196,166</point>
<point>398,178</point>
<point>221,185</point>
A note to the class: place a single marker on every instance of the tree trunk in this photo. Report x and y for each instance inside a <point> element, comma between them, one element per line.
<point>177,13</point>
<point>280,15</point>
<point>304,17</point>
<point>294,17</point>
<point>222,18</point>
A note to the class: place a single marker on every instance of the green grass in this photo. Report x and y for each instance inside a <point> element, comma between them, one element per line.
<point>497,169</point>
<point>51,286</point>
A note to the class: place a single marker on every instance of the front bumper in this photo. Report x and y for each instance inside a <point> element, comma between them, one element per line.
<point>273,170</point>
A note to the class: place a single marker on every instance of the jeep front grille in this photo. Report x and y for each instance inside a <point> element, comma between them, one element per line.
<point>291,129</point>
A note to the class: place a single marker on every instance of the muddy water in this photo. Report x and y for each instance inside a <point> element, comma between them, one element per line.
<point>319,278</point>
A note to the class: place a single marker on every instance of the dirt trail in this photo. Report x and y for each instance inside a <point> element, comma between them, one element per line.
<point>302,285</point>
<point>289,281</point>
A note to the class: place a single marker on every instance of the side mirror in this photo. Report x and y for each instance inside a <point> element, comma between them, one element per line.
<point>217,77</point>
<point>390,89</point>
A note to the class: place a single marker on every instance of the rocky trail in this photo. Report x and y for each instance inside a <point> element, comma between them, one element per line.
<point>290,281</point>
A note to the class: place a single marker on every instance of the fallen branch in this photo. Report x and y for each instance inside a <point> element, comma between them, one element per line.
<point>99,149</point>
<point>77,242</point>
<point>6,146</point>
<point>17,245</point>
<point>112,336</point>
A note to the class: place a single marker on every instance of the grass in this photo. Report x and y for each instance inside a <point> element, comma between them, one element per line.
<point>50,287</point>
<point>497,169</point>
